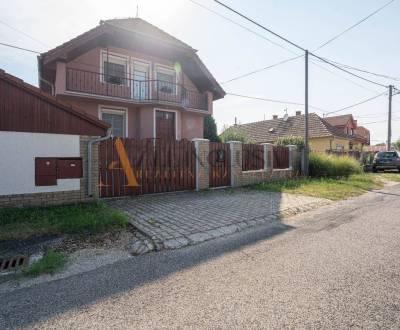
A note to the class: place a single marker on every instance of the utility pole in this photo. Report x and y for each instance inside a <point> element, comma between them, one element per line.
<point>389,139</point>
<point>306,146</point>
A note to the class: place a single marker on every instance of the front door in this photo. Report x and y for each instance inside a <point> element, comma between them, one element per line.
<point>165,125</point>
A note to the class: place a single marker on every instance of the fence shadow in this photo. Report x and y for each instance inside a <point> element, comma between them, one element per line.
<point>28,306</point>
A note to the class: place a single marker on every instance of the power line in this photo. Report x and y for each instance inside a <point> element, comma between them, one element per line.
<point>242,26</point>
<point>261,69</point>
<point>356,104</point>
<point>297,46</point>
<point>272,100</point>
<point>20,48</point>
<point>354,25</point>
<point>261,26</point>
<point>23,33</point>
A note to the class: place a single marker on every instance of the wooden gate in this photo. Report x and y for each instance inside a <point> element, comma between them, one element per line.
<point>281,157</point>
<point>133,167</point>
<point>219,160</point>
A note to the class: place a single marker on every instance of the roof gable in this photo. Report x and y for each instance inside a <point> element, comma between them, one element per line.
<point>341,120</point>
<point>25,108</point>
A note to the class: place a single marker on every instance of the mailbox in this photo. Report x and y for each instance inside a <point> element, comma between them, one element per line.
<point>45,171</point>
<point>69,168</point>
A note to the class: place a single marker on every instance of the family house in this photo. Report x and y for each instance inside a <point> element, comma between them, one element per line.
<point>142,81</point>
<point>323,136</point>
<point>347,124</point>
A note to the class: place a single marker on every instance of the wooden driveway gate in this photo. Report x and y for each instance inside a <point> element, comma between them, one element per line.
<point>133,167</point>
<point>219,160</point>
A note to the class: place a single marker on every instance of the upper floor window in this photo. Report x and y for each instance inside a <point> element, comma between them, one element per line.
<point>166,80</point>
<point>114,69</point>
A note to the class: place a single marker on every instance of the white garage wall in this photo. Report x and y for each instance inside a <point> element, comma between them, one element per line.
<point>17,160</point>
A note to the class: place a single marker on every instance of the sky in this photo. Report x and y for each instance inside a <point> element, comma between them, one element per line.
<point>229,50</point>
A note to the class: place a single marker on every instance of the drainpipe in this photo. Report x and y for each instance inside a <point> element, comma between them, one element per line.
<point>90,156</point>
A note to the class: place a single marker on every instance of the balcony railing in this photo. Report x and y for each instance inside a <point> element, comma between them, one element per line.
<point>141,91</point>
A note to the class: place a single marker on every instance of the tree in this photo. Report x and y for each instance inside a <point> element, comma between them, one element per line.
<point>234,134</point>
<point>397,144</point>
<point>291,140</point>
<point>210,129</point>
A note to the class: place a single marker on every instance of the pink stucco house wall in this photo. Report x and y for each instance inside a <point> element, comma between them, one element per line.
<point>142,81</point>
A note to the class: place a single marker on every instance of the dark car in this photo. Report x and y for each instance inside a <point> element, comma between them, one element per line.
<point>386,160</point>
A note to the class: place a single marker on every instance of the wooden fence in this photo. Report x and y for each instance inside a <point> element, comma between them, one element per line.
<point>281,157</point>
<point>219,160</point>
<point>252,157</point>
<point>132,166</point>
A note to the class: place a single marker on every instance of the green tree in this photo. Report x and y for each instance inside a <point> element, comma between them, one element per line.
<point>291,140</point>
<point>234,134</point>
<point>210,129</point>
<point>397,144</point>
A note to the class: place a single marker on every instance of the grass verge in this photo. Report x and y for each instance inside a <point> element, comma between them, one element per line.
<point>85,218</point>
<point>391,176</point>
<point>333,189</point>
<point>49,264</point>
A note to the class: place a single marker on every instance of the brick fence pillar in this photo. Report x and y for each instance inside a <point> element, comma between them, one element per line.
<point>202,166</point>
<point>268,156</point>
<point>236,163</point>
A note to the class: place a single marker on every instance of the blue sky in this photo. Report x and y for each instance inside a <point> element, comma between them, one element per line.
<point>229,50</point>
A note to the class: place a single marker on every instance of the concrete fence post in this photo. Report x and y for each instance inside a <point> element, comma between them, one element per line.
<point>202,147</point>
<point>236,163</point>
<point>292,156</point>
<point>268,156</point>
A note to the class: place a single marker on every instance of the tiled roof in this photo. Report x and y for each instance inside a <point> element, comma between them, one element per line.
<point>270,130</point>
<point>341,120</point>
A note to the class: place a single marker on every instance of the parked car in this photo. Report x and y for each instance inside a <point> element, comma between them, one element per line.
<point>386,160</point>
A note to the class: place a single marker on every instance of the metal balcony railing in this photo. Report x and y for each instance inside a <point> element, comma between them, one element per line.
<point>141,91</point>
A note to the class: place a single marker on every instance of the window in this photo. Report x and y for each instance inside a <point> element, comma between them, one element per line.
<point>166,82</point>
<point>117,120</point>
<point>114,69</point>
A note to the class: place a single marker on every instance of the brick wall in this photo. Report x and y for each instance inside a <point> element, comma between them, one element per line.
<point>245,178</point>
<point>61,197</point>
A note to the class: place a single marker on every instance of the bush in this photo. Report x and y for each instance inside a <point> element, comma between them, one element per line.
<point>322,165</point>
<point>291,140</point>
<point>234,134</point>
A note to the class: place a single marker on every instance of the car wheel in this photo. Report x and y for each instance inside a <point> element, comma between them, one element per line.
<point>375,170</point>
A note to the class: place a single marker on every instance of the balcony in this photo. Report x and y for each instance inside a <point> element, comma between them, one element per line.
<point>137,91</point>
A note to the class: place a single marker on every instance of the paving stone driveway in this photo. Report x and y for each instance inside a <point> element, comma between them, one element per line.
<point>179,219</point>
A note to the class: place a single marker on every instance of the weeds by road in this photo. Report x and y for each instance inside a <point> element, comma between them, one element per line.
<point>87,218</point>
<point>50,263</point>
<point>333,189</point>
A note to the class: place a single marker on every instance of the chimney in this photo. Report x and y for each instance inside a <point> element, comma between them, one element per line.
<point>275,117</point>
<point>298,113</point>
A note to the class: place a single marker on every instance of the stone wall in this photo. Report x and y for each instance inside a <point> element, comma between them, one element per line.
<point>62,197</point>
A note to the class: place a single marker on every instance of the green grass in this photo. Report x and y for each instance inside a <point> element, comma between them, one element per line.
<point>333,189</point>
<point>332,166</point>
<point>49,264</point>
<point>85,218</point>
<point>391,176</point>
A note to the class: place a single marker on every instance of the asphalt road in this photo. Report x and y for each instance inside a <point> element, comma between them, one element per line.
<point>337,267</point>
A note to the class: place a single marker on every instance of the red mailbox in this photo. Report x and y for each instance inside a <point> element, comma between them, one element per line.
<point>69,168</point>
<point>45,171</point>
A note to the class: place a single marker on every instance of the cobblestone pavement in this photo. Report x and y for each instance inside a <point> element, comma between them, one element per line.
<point>175,220</point>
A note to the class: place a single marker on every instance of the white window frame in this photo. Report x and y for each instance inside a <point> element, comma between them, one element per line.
<point>144,64</point>
<point>116,59</point>
<point>115,110</point>
<point>154,121</point>
<point>166,70</point>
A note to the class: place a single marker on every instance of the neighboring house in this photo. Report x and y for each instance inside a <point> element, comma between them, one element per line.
<point>142,81</point>
<point>43,146</point>
<point>348,125</point>
<point>323,136</point>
